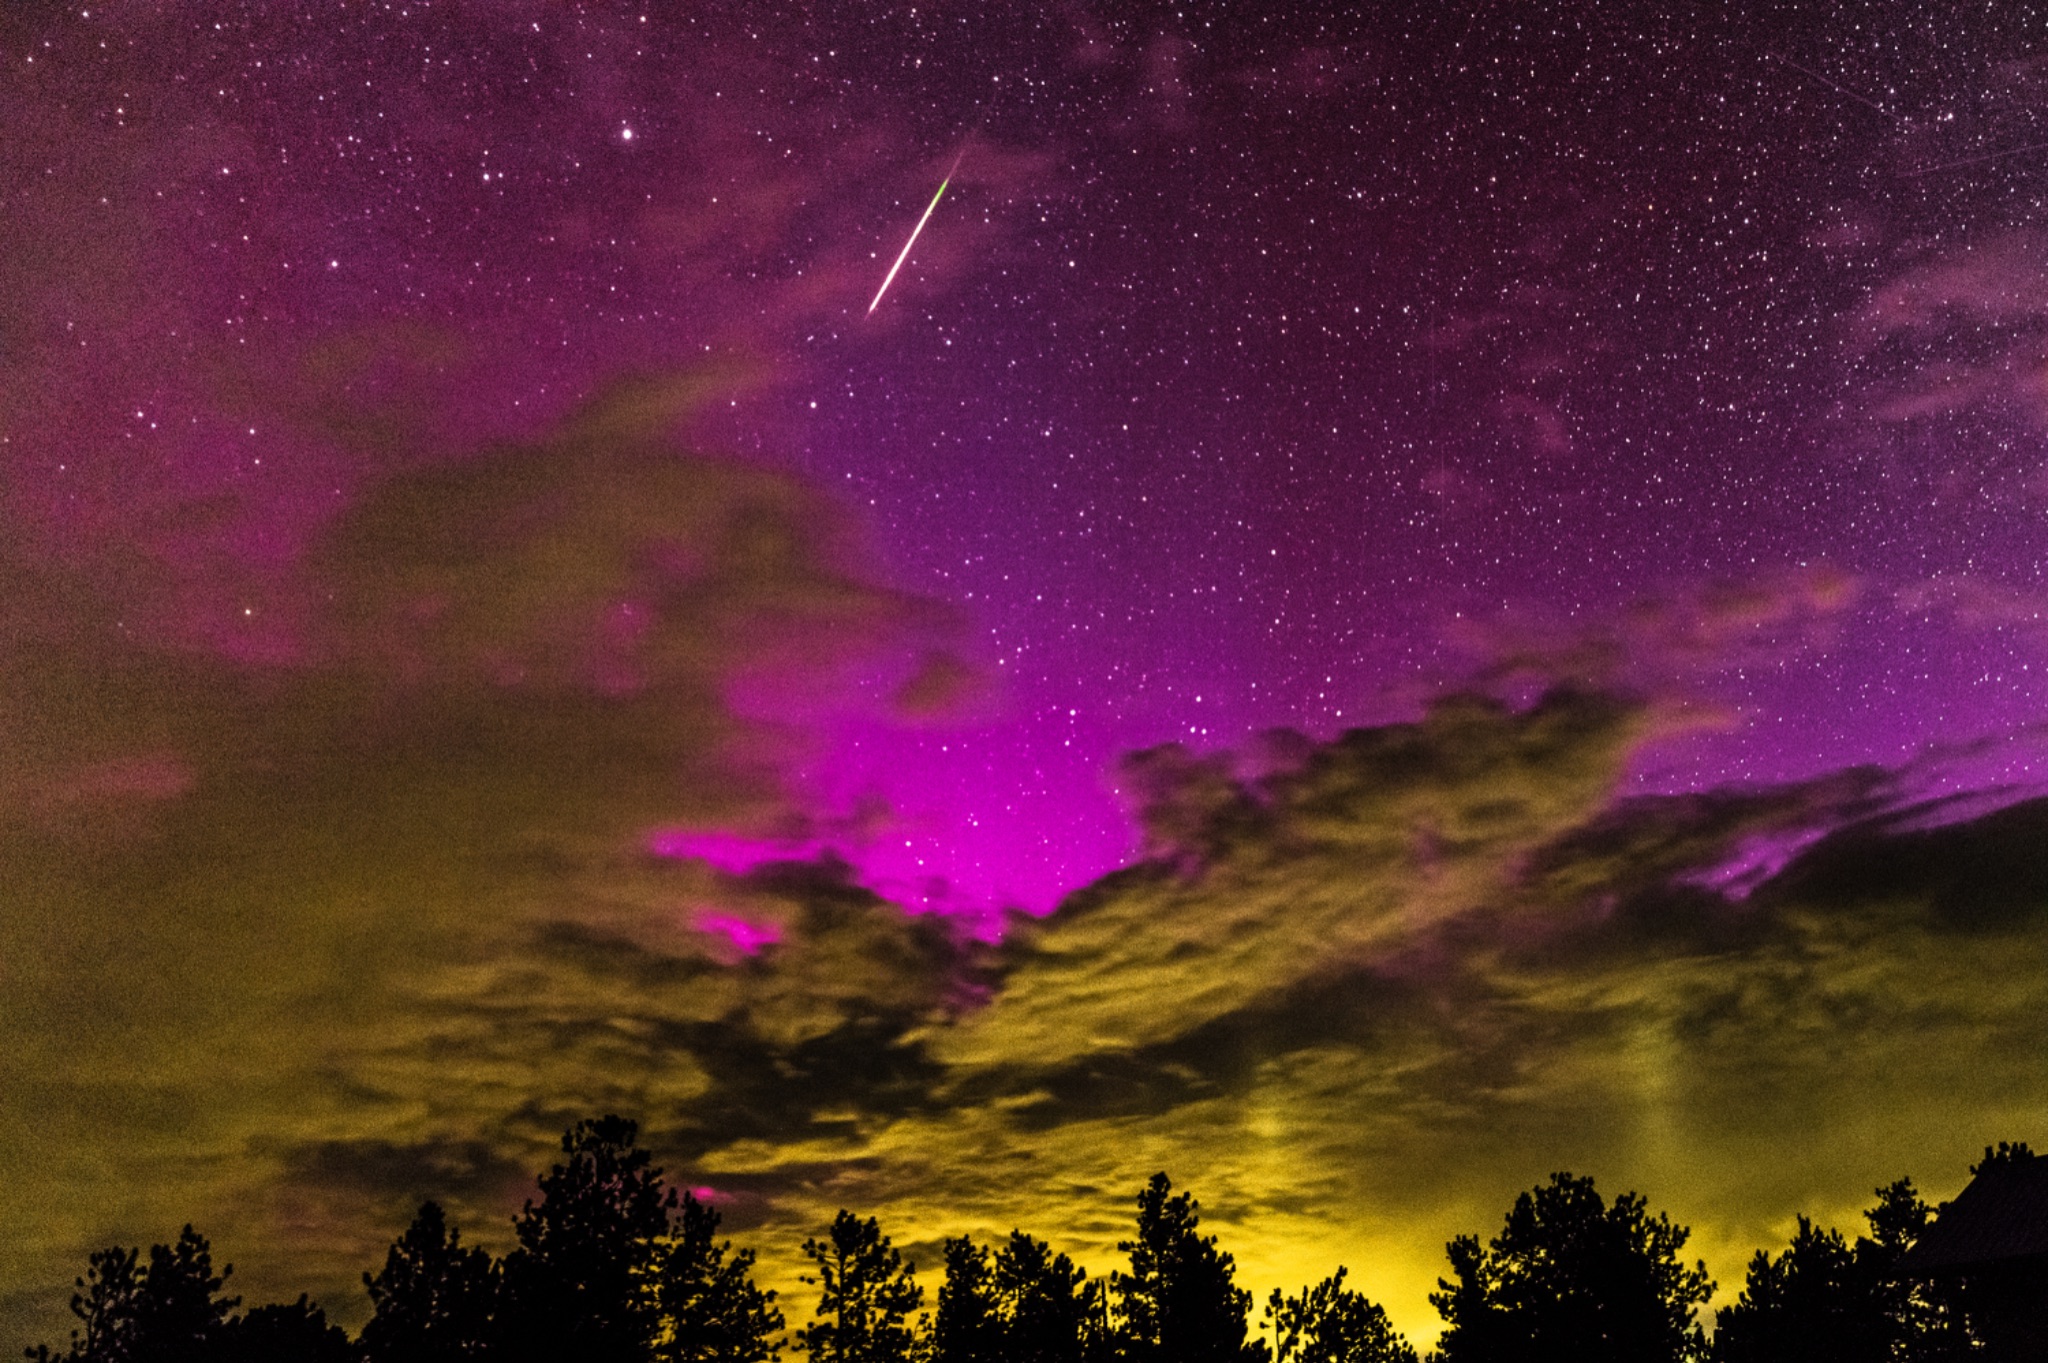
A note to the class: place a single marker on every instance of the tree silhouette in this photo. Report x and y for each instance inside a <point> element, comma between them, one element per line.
<point>581,1284</point>
<point>1999,1305</point>
<point>614,1267</point>
<point>1045,1309</point>
<point>711,1310</point>
<point>1827,1301</point>
<point>1021,1304</point>
<point>1817,1301</point>
<point>294,1332</point>
<point>435,1299</point>
<point>1924,1322</point>
<point>1570,1278</point>
<point>865,1296</point>
<point>1102,1337</point>
<point>169,1312</point>
<point>105,1305</point>
<point>2002,1154</point>
<point>179,1313</point>
<point>968,1325</point>
<point>1180,1302</point>
<point>1330,1323</point>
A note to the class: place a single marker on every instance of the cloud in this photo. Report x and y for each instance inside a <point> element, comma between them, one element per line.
<point>1359,997</point>
<point>1258,886</point>
<point>1671,645</point>
<point>1961,335</point>
<point>273,930</point>
<point>1357,993</point>
<point>1998,283</point>
<point>298,943</point>
<point>941,688</point>
<point>1977,603</point>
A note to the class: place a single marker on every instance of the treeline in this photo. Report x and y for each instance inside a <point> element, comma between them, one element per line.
<point>613,1266</point>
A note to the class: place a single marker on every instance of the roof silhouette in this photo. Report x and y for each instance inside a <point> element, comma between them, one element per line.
<point>2002,1215</point>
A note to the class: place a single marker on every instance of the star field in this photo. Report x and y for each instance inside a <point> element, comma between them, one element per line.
<point>1250,359</point>
<point>1265,372</point>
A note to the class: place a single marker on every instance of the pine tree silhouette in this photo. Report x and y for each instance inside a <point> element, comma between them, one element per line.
<point>581,1284</point>
<point>289,1332</point>
<point>866,1294</point>
<point>1330,1323</point>
<point>435,1300</point>
<point>1180,1302</point>
<point>1816,1301</point>
<point>2002,1154</point>
<point>968,1325</point>
<point>710,1308</point>
<point>1925,1323</point>
<point>1043,1301</point>
<point>1572,1280</point>
<point>168,1312</point>
<point>105,1305</point>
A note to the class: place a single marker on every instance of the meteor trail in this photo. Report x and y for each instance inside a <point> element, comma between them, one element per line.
<point>904,254</point>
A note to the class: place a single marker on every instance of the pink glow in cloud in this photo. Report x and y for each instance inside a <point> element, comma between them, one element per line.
<point>938,821</point>
<point>746,935</point>
<point>1755,860</point>
<point>732,854</point>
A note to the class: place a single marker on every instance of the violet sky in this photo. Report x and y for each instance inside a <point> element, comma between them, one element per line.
<point>1249,358</point>
<point>1264,367</point>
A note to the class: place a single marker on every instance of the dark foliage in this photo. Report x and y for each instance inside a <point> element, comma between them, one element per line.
<point>614,1267</point>
<point>2002,1154</point>
<point>1818,1301</point>
<point>1330,1323</point>
<point>168,1312</point>
<point>435,1299</point>
<point>1571,1278</point>
<point>1180,1302</point>
<point>180,1314</point>
<point>1828,1301</point>
<point>105,1306</point>
<point>1021,1304</point>
<point>581,1283</point>
<point>294,1332</point>
<point>866,1294</point>
<point>2002,1308</point>
<point>1044,1302</point>
<point>706,1297</point>
<point>968,1326</point>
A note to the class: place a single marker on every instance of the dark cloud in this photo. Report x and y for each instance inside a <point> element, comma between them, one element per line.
<point>1988,875</point>
<point>941,688</point>
<point>1363,991</point>
<point>379,912</point>
<point>1672,644</point>
<point>1357,994</point>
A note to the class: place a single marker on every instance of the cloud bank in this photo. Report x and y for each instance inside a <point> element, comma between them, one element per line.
<point>295,947</point>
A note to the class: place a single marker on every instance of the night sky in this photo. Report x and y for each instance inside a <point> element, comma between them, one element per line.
<point>1521,529</point>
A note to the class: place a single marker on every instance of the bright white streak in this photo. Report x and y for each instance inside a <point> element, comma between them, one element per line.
<point>905,253</point>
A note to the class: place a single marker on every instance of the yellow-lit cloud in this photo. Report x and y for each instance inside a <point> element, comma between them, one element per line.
<point>287,949</point>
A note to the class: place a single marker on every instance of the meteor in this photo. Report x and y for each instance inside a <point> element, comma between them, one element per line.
<point>904,254</point>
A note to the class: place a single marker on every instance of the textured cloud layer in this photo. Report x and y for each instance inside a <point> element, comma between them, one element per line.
<point>373,929</point>
<point>280,939</point>
<point>373,734</point>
